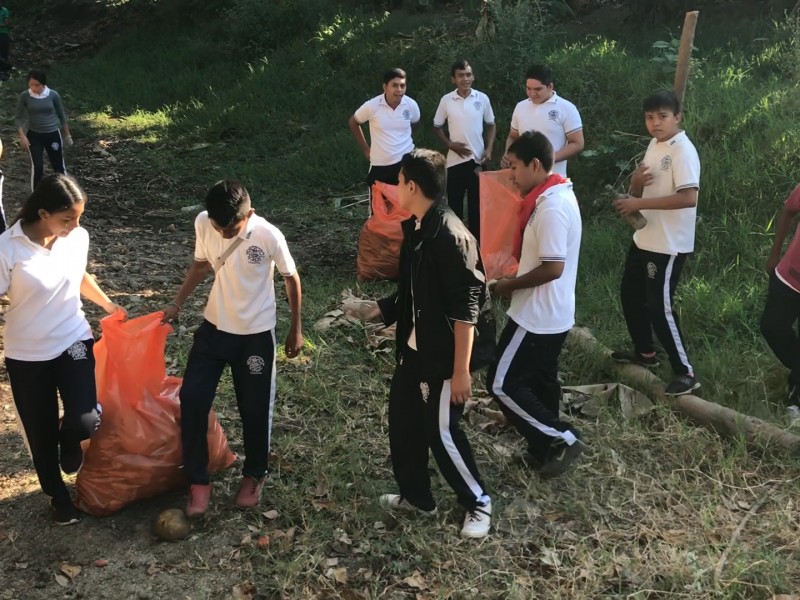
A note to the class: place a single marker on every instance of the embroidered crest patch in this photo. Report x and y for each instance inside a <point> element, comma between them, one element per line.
<point>78,351</point>
<point>666,163</point>
<point>255,255</point>
<point>256,365</point>
<point>553,115</point>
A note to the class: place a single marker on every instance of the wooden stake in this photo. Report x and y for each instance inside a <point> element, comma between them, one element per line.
<point>685,54</point>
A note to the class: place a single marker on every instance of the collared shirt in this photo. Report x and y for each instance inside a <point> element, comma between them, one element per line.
<point>556,118</point>
<point>44,286</point>
<point>242,298</point>
<point>465,118</point>
<point>389,128</point>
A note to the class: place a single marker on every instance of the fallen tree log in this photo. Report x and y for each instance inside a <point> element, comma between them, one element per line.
<point>719,418</point>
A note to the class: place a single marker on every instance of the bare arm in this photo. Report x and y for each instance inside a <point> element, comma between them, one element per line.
<point>92,292</point>
<point>414,126</point>
<point>782,229</point>
<point>513,134</point>
<point>574,145</point>
<point>459,148</point>
<point>461,382</point>
<point>489,135</point>
<point>686,198</point>
<point>358,134</point>
<point>294,292</point>
<point>544,273</point>
<point>196,273</point>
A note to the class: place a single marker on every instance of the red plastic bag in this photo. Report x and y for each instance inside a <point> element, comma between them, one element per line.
<point>381,236</point>
<point>136,452</point>
<point>500,208</point>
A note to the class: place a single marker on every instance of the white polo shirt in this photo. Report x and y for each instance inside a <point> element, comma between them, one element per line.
<point>465,118</point>
<point>242,298</point>
<point>553,234</point>
<point>556,118</point>
<point>389,128</point>
<point>46,314</point>
<point>675,166</point>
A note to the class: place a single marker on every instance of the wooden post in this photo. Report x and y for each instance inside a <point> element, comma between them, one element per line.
<point>685,54</point>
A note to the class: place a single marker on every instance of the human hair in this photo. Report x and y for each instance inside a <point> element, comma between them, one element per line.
<point>393,74</point>
<point>460,65</point>
<point>662,99</point>
<point>227,202</point>
<point>540,73</point>
<point>39,75</point>
<point>530,145</point>
<point>428,169</point>
<point>54,193</point>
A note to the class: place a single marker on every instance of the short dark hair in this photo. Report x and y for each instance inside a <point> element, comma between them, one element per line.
<point>533,144</point>
<point>54,193</point>
<point>227,202</point>
<point>662,99</point>
<point>428,169</point>
<point>393,74</point>
<point>461,64</point>
<point>540,73</point>
<point>39,75</point>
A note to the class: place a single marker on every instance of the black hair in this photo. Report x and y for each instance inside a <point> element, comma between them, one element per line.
<point>540,73</point>
<point>39,75</point>
<point>662,99</point>
<point>530,145</point>
<point>227,202</point>
<point>393,74</point>
<point>460,65</point>
<point>428,169</point>
<point>54,193</point>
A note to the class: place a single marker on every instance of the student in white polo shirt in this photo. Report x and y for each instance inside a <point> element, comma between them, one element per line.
<point>469,140</point>
<point>524,379</point>
<point>544,110</point>
<point>47,340</point>
<point>664,189</point>
<point>243,250</point>
<point>392,118</point>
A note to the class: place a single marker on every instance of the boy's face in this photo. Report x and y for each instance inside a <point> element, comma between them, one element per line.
<point>537,91</point>
<point>231,231</point>
<point>526,177</point>
<point>463,79</point>
<point>662,124</point>
<point>395,90</point>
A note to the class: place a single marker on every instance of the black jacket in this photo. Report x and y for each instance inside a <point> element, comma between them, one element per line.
<point>441,262</point>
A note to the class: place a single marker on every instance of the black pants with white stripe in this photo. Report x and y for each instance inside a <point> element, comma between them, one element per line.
<point>463,179</point>
<point>51,143</point>
<point>36,387</point>
<point>421,416</point>
<point>524,381</point>
<point>252,361</point>
<point>647,290</point>
<point>781,316</point>
<point>3,223</point>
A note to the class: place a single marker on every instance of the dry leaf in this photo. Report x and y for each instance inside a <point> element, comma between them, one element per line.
<point>153,569</point>
<point>71,571</point>
<point>340,574</point>
<point>351,594</point>
<point>331,562</point>
<point>416,580</point>
<point>271,514</point>
<point>550,558</point>
<point>244,591</point>
<point>61,580</point>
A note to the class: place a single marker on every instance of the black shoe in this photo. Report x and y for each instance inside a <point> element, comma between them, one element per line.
<point>71,457</point>
<point>681,385</point>
<point>635,358</point>
<point>527,459</point>
<point>64,512</point>
<point>561,457</point>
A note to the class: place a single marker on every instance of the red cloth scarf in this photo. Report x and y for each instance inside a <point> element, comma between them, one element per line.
<point>529,205</point>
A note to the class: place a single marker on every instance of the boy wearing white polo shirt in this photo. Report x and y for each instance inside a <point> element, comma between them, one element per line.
<point>524,378</point>
<point>469,140</point>
<point>544,110</point>
<point>392,118</point>
<point>664,189</point>
<point>243,249</point>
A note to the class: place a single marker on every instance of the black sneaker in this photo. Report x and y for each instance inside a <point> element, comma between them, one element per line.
<point>635,358</point>
<point>71,457</point>
<point>64,512</point>
<point>560,458</point>
<point>526,459</point>
<point>681,385</point>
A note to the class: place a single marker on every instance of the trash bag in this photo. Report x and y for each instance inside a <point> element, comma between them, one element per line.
<point>500,208</point>
<point>381,236</point>
<point>136,452</point>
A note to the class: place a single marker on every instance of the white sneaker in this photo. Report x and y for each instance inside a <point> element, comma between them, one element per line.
<point>396,503</point>
<point>477,522</point>
<point>793,413</point>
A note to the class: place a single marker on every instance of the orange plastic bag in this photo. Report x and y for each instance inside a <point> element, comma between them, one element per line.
<point>500,208</point>
<point>136,452</point>
<point>381,236</point>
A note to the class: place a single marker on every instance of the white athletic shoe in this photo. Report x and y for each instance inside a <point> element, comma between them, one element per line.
<point>396,503</point>
<point>793,414</point>
<point>477,522</point>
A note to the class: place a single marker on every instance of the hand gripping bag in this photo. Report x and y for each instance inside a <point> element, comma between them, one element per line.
<point>500,208</point>
<point>381,236</point>
<point>136,452</point>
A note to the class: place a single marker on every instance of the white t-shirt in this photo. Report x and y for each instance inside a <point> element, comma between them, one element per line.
<point>556,118</point>
<point>389,128</point>
<point>465,118</point>
<point>553,234</point>
<point>242,299</point>
<point>44,286</point>
<point>675,166</point>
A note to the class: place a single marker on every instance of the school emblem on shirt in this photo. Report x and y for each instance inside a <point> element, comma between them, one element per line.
<point>666,163</point>
<point>553,115</point>
<point>478,105</point>
<point>78,351</point>
<point>407,114</point>
<point>425,389</point>
<point>652,269</point>
<point>255,255</point>
<point>256,365</point>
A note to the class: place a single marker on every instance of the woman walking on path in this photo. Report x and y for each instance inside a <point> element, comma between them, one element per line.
<point>41,110</point>
<point>48,341</point>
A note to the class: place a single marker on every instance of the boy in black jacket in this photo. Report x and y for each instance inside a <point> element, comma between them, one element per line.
<point>441,290</point>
